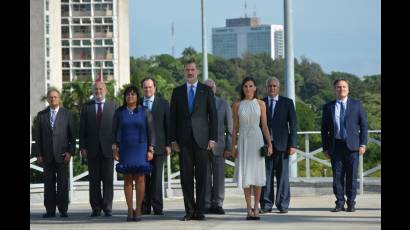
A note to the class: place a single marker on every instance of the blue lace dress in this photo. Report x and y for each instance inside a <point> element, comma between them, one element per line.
<point>133,132</point>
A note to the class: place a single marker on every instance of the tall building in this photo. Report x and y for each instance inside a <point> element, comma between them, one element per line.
<point>247,35</point>
<point>77,40</point>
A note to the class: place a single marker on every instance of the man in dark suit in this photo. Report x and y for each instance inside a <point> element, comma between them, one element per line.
<point>159,108</point>
<point>56,144</point>
<point>282,127</point>
<point>344,137</point>
<point>95,145</point>
<point>194,131</point>
<point>215,188</point>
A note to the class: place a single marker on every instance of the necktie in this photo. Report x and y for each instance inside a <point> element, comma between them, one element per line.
<point>191,97</point>
<point>342,121</point>
<point>147,104</point>
<point>52,118</point>
<point>271,108</point>
<point>99,114</point>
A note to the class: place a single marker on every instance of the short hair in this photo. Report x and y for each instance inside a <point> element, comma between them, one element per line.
<point>99,82</point>
<point>272,79</point>
<point>189,61</point>
<point>148,78</point>
<point>129,89</point>
<point>249,78</point>
<point>341,79</point>
<point>213,84</point>
<point>53,89</point>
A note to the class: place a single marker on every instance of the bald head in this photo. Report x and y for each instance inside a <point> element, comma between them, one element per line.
<point>211,84</point>
<point>99,90</point>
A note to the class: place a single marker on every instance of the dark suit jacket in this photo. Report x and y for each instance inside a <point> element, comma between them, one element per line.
<point>283,124</point>
<point>203,120</point>
<point>160,113</point>
<point>90,135</point>
<point>356,121</point>
<point>53,142</point>
<point>224,127</point>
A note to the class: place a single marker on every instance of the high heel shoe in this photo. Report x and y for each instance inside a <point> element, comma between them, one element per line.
<point>132,217</point>
<point>136,218</point>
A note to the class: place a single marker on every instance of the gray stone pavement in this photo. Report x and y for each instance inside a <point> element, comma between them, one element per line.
<point>305,212</point>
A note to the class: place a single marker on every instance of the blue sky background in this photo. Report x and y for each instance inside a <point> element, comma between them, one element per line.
<point>340,35</point>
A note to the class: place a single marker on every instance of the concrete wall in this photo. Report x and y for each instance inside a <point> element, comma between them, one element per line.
<point>37,56</point>
<point>123,43</point>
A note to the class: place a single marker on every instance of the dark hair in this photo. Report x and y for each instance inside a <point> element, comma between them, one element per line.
<point>337,81</point>
<point>189,61</point>
<point>243,83</point>
<point>127,90</point>
<point>148,78</point>
<point>53,89</point>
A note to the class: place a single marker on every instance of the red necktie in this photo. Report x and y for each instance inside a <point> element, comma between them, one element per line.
<point>99,114</point>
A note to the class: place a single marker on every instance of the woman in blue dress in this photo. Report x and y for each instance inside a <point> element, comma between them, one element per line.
<point>133,147</point>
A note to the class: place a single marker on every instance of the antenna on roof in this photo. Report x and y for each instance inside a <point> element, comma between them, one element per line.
<point>254,9</point>
<point>244,10</point>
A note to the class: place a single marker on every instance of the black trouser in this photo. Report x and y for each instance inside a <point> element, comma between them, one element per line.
<point>277,165</point>
<point>56,172</point>
<point>153,185</point>
<point>193,161</point>
<point>100,170</point>
<point>344,166</point>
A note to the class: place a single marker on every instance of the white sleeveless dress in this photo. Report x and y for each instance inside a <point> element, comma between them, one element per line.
<point>249,165</point>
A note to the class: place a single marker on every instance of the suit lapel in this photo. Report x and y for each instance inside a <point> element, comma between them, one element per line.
<point>198,93</point>
<point>48,115</point>
<point>154,104</point>
<point>277,105</point>
<point>185,97</point>
<point>59,116</point>
<point>332,109</point>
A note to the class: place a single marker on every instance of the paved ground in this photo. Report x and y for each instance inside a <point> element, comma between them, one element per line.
<point>307,212</point>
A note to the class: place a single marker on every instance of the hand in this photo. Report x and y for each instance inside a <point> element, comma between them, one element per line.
<point>362,150</point>
<point>291,151</point>
<point>116,154</point>
<point>234,154</point>
<point>211,145</point>
<point>270,150</point>
<point>40,159</point>
<point>175,147</point>
<point>168,150</point>
<point>67,157</point>
<point>83,153</point>
<point>327,155</point>
<point>226,153</point>
<point>150,155</point>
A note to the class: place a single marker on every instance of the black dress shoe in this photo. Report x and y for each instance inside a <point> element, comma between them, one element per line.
<point>95,213</point>
<point>107,213</point>
<point>49,215</point>
<point>218,210</point>
<point>63,214</point>
<point>199,217</point>
<point>265,210</point>
<point>187,217</point>
<point>146,212</point>
<point>283,211</point>
<point>350,208</point>
<point>158,212</point>
<point>208,210</point>
<point>338,208</point>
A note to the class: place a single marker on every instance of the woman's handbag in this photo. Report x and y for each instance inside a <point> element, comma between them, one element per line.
<point>264,151</point>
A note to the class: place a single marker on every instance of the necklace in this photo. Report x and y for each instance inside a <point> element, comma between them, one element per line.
<point>130,111</point>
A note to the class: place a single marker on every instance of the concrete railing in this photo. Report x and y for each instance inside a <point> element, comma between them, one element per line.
<point>307,155</point>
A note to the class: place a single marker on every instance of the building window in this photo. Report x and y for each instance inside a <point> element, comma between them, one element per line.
<point>109,64</point>
<point>86,42</point>
<point>98,20</point>
<point>47,42</point>
<point>108,20</point>
<point>65,43</point>
<point>47,29</point>
<point>76,43</point>
<point>108,42</point>
<point>48,74</point>
<point>47,52</point>
<point>86,21</point>
<point>76,21</point>
<point>64,21</point>
<point>46,4</point>
<point>98,42</point>
<point>86,64</point>
<point>47,19</point>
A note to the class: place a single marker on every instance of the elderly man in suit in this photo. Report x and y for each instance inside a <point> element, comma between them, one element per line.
<point>194,131</point>
<point>56,144</point>
<point>344,138</point>
<point>215,188</point>
<point>281,116</point>
<point>95,145</point>
<point>159,108</point>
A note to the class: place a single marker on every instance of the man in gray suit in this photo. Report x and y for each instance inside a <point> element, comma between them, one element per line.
<point>95,145</point>
<point>215,188</point>
<point>56,144</point>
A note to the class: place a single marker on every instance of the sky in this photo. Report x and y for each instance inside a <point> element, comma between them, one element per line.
<point>340,35</point>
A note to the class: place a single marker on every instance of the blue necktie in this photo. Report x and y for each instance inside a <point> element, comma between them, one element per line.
<point>191,97</point>
<point>147,104</point>
<point>52,118</point>
<point>342,121</point>
<point>271,108</point>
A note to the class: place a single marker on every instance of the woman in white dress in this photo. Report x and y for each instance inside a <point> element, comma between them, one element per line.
<point>250,175</point>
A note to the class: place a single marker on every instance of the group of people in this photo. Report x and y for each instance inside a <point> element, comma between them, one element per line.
<point>204,130</point>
